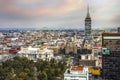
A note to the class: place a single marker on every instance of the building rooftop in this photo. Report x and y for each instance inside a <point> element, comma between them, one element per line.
<point>76,68</point>
<point>77,71</point>
<point>110,34</point>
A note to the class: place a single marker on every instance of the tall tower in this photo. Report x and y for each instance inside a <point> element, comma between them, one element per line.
<point>88,24</point>
<point>88,36</point>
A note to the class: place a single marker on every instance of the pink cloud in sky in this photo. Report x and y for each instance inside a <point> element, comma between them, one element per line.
<point>19,8</point>
<point>59,12</point>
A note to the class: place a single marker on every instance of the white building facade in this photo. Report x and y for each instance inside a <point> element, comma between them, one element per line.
<point>76,73</point>
<point>36,53</point>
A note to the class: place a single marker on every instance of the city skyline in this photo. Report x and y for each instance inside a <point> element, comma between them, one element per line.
<point>67,14</point>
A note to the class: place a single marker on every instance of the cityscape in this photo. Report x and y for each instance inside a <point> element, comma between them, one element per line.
<point>57,43</point>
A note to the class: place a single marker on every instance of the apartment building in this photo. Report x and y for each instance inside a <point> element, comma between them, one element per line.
<point>76,73</point>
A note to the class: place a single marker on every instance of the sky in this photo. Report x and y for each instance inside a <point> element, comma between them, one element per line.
<point>58,14</point>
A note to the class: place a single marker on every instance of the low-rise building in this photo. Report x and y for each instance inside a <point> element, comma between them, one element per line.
<point>86,58</point>
<point>77,73</point>
<point>36,53</point>
<point>94,70</point>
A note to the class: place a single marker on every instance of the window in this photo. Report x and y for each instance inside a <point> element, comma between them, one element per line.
<point>86,57</point>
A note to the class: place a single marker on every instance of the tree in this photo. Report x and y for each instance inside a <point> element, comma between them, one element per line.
<point>24,69</point>
<point>42,76</point>
<point>22,75</point>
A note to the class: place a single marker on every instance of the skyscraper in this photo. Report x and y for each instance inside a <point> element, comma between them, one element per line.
<point>111,56</point>
<point>118,29</point>
<point>88,24</point>
<point>88,36</point>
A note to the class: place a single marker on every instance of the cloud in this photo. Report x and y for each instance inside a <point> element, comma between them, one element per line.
<point>59,12</point>
<point>33,8</point>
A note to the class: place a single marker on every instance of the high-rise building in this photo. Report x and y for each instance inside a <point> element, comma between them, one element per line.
<point>118,29</point>
<point>110,65</point>
<point>88,24</point>
<point>111,41</point>
<point>87,43</point>
<point>110,56</point>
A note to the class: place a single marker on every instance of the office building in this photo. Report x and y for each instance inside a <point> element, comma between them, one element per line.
<point>118,29</point>
<point>110,56</point>
<point>111,41</point>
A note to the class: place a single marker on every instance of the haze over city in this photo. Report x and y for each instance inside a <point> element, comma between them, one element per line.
<point>58,13</point>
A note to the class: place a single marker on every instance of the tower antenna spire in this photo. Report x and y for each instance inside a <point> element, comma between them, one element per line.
<point>88,23</point>
<point>88,14</point>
